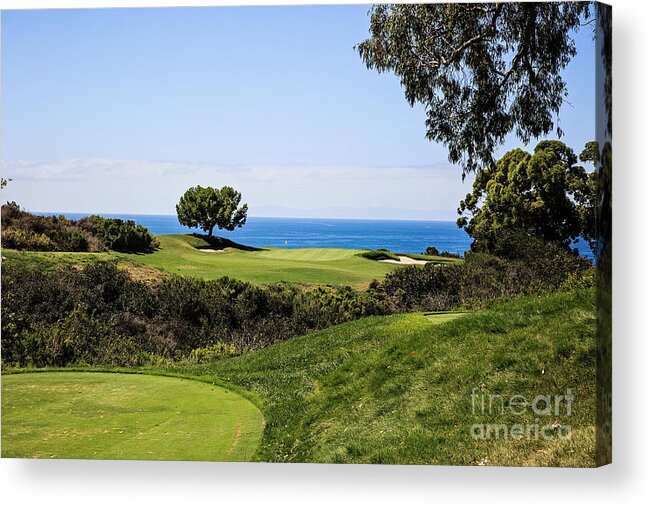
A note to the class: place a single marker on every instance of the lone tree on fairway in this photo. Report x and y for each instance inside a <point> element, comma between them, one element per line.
<point>207,207</point>
<point>545,195</point>
<point>482,70</point>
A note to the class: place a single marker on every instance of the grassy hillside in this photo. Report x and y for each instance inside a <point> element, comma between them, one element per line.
<point>187,255</point>
<point>112,416</point>
<point>398,389</point>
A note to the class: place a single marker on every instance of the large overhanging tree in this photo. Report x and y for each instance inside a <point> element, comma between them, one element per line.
<point>481,70</point>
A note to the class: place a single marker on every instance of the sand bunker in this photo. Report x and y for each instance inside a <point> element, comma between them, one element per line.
<point>404,260</point>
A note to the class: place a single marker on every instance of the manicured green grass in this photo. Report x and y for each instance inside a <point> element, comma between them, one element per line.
<point>183,255</point>
<point>118,416</point>
<point>398,389</point>
<point>190,255</point>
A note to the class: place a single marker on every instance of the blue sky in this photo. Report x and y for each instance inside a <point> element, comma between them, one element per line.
<point>121,110</point>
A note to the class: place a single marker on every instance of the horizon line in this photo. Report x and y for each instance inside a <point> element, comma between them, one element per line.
<point>122,214</point>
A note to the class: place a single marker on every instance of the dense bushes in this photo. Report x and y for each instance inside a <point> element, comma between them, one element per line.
<point>22,239</point>
<point>519,265</point>
<point>23,231</point>
<point>431,287</point>
<point>119,235</point>
<point>98,315</point>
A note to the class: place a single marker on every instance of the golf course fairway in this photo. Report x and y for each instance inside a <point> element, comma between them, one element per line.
<point>186,255</point>
<point>122,416</point>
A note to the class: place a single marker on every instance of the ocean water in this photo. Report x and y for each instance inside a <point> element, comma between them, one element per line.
<point>404,236</point>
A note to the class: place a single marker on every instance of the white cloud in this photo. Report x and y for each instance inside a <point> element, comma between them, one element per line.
<point>136,186</point>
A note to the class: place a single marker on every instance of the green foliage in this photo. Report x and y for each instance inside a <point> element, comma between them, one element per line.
<point>546,195</point>
<point>21,239</point>
<point>120,235</point>
<point>70,239</point>
<point>98,314</point>
<point>582,280</point>
<point>214,352</point>
<point>207,207</point>
<point>482,71</point>
<point>519,265</point>
<point>24,231</point>
<point>431,287</point>
<point>391,389</point>
<point>433,251</point>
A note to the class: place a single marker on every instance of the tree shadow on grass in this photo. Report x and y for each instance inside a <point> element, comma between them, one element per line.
<point>218,243</point>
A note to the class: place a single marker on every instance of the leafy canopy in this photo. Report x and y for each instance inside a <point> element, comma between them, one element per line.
<point>545,195</point>
<point>481,70</point>
<point>207,207</point>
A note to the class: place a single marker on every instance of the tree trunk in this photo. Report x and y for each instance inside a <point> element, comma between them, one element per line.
<point>210,230</point>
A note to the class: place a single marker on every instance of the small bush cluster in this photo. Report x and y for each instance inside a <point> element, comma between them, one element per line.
<point>23,231</point>
<point>214,352</point>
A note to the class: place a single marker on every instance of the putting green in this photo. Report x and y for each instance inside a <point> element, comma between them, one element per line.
<point>119,416</point>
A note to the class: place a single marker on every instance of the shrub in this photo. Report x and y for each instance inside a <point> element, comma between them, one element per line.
<point>11,211</point>
<point>433,251</point>
<point>25,231</point>
<point>69,239</point>
<point>432,287</point>
<point>21,239</point>
<point>211,353</point>
<point>450,255</point>
<point>119,235</point>
<point>525,265</point>
<point>580,280</point>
